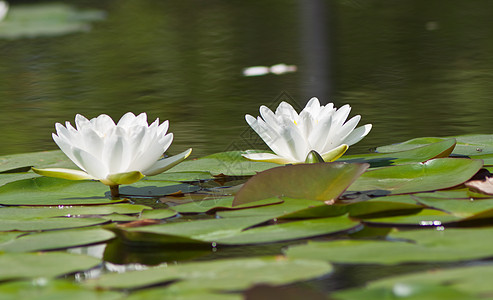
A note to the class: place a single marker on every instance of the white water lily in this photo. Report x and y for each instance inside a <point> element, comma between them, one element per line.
<point>320,128</point>
<point>114,154</point>
<point>4,8</point>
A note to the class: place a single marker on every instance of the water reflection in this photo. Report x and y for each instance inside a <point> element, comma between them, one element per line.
<point>411,68</point>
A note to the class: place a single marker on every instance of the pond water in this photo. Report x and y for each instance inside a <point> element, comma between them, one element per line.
<point>411,68</point>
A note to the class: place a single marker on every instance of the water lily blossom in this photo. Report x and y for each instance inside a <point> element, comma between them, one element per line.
<point>114,154</point>
<point>292,136</point>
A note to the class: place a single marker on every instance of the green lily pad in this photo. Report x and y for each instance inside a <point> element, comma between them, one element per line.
<point>404,247</point>
<point>180,176</point>
<point>375,208</point>
<point>290,231</point>
<point>287,207</point>
<point>44,159</point>
<point>457,207</point>
<point>202,230</point>
<point>426,217</point>
<point>157,214</point>
<point>405,291</point>
<point>473,144</point>
<point>30,212</point>
<point>219,275</point>
<point>54,191</point>
<point>321,181</point>
<point>442,148</point>
<point>181,294</point>
<point>11,177</point>
<point>52,289</point>
<point>48,223</point>
<point>215,203</point>
<point>50,19</point>
<point>439,173</point>
<point>154,188</point>
<point>473,280</point>
<point>56,240</point>
<point>15,266</point>
<point>226,163</point>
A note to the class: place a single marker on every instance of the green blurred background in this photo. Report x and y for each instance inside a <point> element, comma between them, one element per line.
<point>410,67</point>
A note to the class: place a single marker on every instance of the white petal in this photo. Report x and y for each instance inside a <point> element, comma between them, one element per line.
<point>357,135</point>
<point>141,119</point>
<point>269,117</point>
<point>80,121</point>
<point>335,153</point>
<point>92,165</point>
<point>319,134</point>
<point>296,143</point>
<point>285,110</point>
<point>63,173</point>
<point>103,124</point>
<point>126,120</point>
<point>270,136</point>
<point>113,151</point>
<point>267,157</point>
<point>68,149</point>
<point>166,163</point>
<point>340,135</point>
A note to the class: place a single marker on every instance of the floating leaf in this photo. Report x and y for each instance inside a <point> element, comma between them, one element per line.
<point>457,207</point>
<point>181,294</point>
<point>290,231</point>
<point>47,223</point>
<point>219,275</point>
<point>426,217</point>
<point>53,191</point>
<point>439,173</point>
<point>375,208</point>
<point>49,19</point>
<point>466,144</point>
<point>405,247</point>
<point>202,230</point>
<point>405,291</point>
<point>215,203</point>
<point>56,240</point>
<point>53,289</point>
<point>50,264</point>
<point>322,182</point>
<point>442,148</point>
<point>227,163</point>
<point>472,280</point>
<point>44,159</point>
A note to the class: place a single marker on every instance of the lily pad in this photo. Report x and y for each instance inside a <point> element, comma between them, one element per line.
<point>321,181</point>
<point>226,163</point>
<point>439,173</point>
<point>54,191</point>
<point>219,275</point>
<point>442,148</point>
<point>290,231</point>
<point>15,266</point>
<point>48,223</point>
<point>56,240</point>
<point>457,207</point>
<point>473,144</point>
<point>404,247</point>
<point>50,19</point>
<point>426,217</point>
<point>53,289</point>
<point>474,280</point>
<point>44,159</point>
<point>181,294</point>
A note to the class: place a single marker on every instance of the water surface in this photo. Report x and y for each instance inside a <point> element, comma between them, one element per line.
<point>411,68</point>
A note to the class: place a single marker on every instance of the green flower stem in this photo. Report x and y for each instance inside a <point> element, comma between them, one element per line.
<point>115,192</point>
